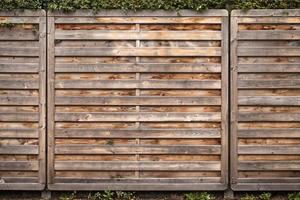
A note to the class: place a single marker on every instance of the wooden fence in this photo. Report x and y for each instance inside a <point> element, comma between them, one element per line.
<point>265,102</point>
<point>137,101</point>
<point>22,100</point>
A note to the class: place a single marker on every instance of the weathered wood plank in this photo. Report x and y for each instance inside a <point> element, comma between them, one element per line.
<point>269,149</point>
<point>268,51</point>
<point>19,116</point>
<point>19,68</point>
<point>18,35</point>
<point>19,166</point>
<point>145,166</point>
<point>133,35</point>
<point>269,133</point>
<point>269,20</point>
<point>137,20</point>
<point>143,116</point>
<point>269,100</point>
<point>19,149</point>
<point>167,133</point>
<point>132,84</point>
<point>140,67</point>
<point>149,51</point>
<point>136,149</point>
<point>18,133</point>
<point>269,165</point>
<point>275,117</point>
<point>19,51</point>
<point>22,100</point>
<point>288,68</point>
<point>269,35</point>
<point>76,100</point>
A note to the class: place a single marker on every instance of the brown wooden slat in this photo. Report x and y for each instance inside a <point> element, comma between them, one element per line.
<point>75,100</point>
<point>149,51</point>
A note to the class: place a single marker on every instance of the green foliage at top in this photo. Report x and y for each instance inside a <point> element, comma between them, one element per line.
<point>96,5</point>
<point>70,5</point>
<point>20,4</point>
<point>265,4</point>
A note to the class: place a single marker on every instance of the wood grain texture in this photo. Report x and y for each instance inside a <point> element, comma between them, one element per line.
<point>141,97</point>
<point>265,100</point>
<point>22,100</point>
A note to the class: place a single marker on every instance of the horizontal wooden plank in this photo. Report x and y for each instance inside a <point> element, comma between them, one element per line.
<point>106,133</point>
<point>137,149</point>
<point>274,180</point>
<point>18,35</point>
<point>268,35</point>
<point>19,20</point>
<point>134,35</point>
<point>19,165</point>
<point>268,20</point>
<point>269,100</point>
<point>141,67</point>
<point>133,84</point>
<point>18,133</point>
<point>269,133</point>
<point>130,166</point>
<point>20,179</point>
<point>140,186</point>
<point>19,67</point>
<point>142,51</point>
<point>19,116</point>
<point>19,149</point>
<point>140,13</point>
<point>269,149</point>
<point>272,67</point>
<point>114,181</point>
<point>79,100</point>
<point>138,20</point>
<point>19,51</point>
<point>273,83</point>
<point>19,84</point>
<point>276,117</point>
<point>269,165</point>
<point>21,100</point>
<point>132,117</point>
<point>268,51</point>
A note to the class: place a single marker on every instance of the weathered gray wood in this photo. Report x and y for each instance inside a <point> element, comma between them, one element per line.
<point>269,165</point>
<point>13,117</point>
<point>269,35</point>
<point>269,133</point>
<point>141,67</point>
<point>168,133</point>
<point>139,20</point>
<point>133,35</point>
<point>286,51</point>
<point>19,67</point>
<point>19,51</point>
<point>22,100</point>
<point>143,116</point>
<point>269,100</point>
<point>247,68</point>
<point>275,117</point>
<point>19,149</point>
<point>136,149</point>
<point>19,166</point>
<point>93,51</point>
<point>18,133</point>
<point>132,84</point>
<point>269,149</point>
<point>145,166</point>
<point>74,100</point>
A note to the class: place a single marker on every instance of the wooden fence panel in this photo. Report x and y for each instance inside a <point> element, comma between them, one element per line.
<point>22,100</point>
<point>137,101</point>
<point>265,66</point>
